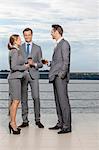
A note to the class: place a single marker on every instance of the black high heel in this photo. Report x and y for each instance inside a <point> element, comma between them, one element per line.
<point>14,132</point>
<point>18,129</point>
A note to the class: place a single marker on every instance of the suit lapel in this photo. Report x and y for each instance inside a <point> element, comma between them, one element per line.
<point>32,49</point>
<point>24,51</point>
<point>58,45</point>
<point>54,51</point>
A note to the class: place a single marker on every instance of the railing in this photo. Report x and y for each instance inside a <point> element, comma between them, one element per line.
<point>84,95</point>
<point>73,75</point>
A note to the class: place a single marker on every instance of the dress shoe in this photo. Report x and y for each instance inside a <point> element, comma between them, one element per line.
<point>24,124</point>
<point>64,131</point>
<point>13,130</point>
<point>39,124</point>
<point>18,129</point>
<point>55,128</point>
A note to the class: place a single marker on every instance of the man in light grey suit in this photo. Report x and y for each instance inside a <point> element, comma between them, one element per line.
<point>59,76</point>
<point>32,51</point>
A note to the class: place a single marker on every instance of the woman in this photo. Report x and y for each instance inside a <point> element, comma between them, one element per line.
<point>17,68</point>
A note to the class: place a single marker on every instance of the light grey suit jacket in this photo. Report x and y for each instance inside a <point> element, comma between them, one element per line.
<point>16,63</point>
<point>36,55</point>
<point>60,64</point>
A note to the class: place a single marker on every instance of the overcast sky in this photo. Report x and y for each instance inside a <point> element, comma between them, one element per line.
<point>78,18</point>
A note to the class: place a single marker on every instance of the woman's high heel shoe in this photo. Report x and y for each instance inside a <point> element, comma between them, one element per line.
<point>18,129</point>
<point>14,131</point>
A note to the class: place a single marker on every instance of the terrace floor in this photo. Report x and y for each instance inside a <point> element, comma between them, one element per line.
<point>84,136</point>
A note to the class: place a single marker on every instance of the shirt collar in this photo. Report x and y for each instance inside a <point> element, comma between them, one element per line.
<point>59,40</point>
<point>28,43</point>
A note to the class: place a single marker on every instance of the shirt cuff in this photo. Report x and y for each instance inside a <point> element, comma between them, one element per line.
<point>35,64</point>
<point>49,63</point>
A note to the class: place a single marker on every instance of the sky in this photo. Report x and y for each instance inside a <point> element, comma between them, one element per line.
<point>79,19</point>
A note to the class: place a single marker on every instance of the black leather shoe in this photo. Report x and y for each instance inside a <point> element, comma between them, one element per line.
<point>55,128</point>
<point>24,124</point>
<point>64,131</point>
<point>39,124</point>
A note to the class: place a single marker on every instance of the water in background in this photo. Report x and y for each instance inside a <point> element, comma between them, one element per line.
<point>83,94</point>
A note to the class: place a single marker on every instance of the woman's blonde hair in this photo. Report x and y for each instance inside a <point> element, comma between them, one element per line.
<point>12,40</point>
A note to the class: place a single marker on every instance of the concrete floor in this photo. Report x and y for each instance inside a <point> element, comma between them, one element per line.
<point>84,136</point>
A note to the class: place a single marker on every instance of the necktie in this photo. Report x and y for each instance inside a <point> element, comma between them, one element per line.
<point>27,50</point>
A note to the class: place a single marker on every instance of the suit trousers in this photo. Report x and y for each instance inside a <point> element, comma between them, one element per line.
<point>34,85</point>
<point>62,102</point>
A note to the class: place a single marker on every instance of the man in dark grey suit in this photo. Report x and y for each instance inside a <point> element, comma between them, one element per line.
<point>32,51</point>
<point>59,76</point>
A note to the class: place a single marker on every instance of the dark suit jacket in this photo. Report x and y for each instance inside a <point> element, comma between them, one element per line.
<point>60,64</point>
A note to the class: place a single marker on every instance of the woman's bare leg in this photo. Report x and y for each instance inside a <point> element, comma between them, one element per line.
<point>13,111</point>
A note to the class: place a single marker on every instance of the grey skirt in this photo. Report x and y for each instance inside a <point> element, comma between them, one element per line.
<point>14,89</point>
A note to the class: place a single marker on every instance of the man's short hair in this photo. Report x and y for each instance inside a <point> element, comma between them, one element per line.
<point>58,28</point>
<point>28,29</point>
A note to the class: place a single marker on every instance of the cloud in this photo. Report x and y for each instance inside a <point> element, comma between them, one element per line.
<point>40,14</point>
<point>78,18</point>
